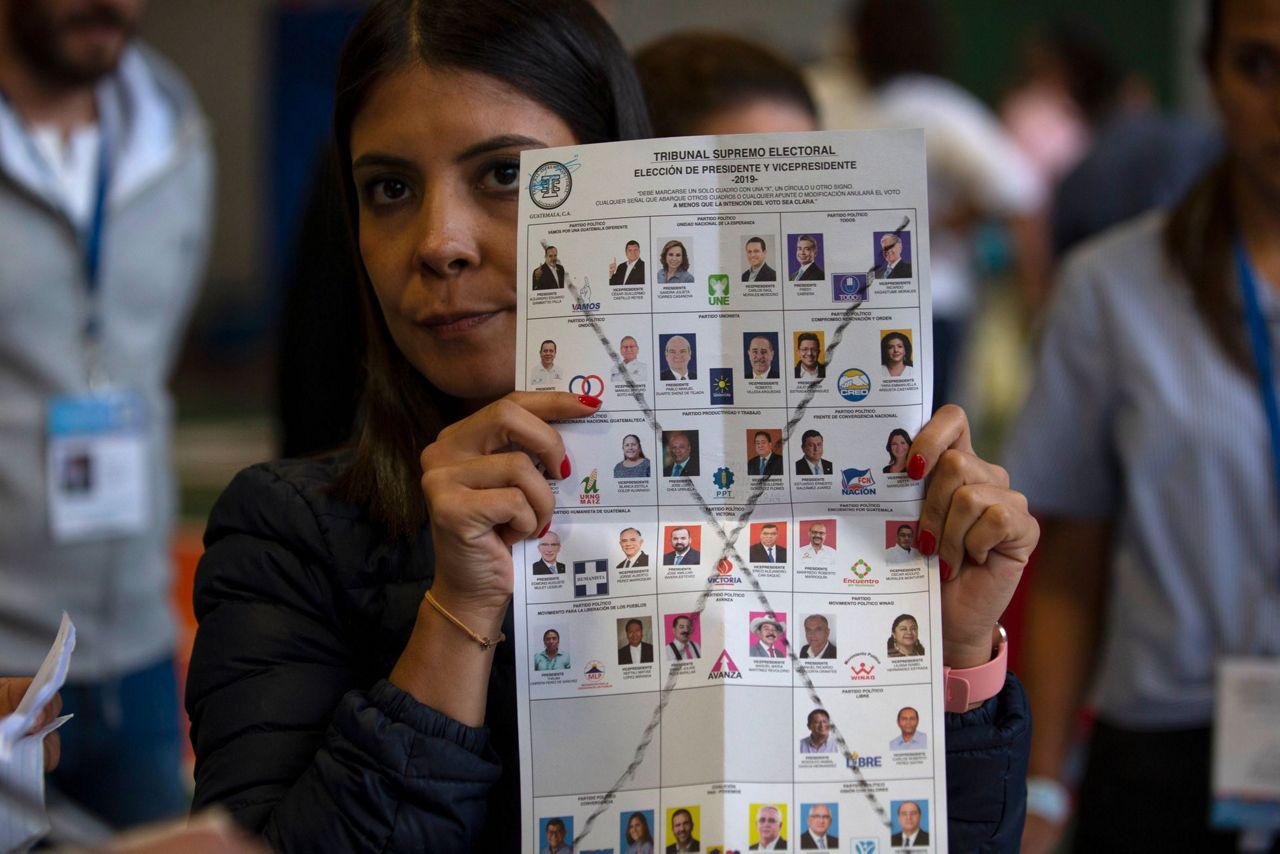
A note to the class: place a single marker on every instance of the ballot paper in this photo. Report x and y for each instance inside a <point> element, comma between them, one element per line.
<point>22,817</point>
<point>728,634</point>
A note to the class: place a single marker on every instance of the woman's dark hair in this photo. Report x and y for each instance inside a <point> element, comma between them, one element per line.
<point>559,53</point>
<point>648,836</point>
<point>638,442</point>
<point>888,445</point>
<point>1200,230</point>
<point>895,37</point>
<point>684,256</point>
<point>689,77</point>
<point>906,348</point>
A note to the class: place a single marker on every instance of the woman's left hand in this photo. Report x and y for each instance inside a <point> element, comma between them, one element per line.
<point>979,528</point>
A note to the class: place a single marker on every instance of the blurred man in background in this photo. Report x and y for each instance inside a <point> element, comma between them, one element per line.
<point>105,196</point>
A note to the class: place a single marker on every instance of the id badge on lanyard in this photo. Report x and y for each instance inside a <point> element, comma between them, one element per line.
<point>96,443</point>
<point>1246,720</point>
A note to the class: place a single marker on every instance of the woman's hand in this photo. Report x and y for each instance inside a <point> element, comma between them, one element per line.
<point>12,690</point>
<point>484,493</point>
<point>978,527</point>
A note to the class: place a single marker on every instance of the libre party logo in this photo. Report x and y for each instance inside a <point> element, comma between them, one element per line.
<point>725,668</point>
<point>722,386</point>
<point>550,185</point>
<point>717,280</point>
<point>854,385</point>
<point>857,482</point>
<point>588,384</point>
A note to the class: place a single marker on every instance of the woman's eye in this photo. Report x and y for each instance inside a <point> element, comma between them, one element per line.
<point>503,176</point>
<point>1260,66</point>
<point>389,190</point>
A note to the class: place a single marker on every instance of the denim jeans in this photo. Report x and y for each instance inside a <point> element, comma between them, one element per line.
<point>121,753</point>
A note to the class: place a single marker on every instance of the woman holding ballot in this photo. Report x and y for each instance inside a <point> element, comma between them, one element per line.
<point>352,685</point>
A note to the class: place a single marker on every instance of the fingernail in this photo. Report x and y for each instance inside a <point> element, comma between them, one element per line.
<point>545,528</point>
<point>944,569</point>
<point>927,543</point>
<point>565,468</point>
<point>915,467</point>
<point>588,400</point>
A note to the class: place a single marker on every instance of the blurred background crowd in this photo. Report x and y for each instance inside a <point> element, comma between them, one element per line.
<point>1048,122</point>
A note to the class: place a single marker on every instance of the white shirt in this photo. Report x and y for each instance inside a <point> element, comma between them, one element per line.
<point>898,556</point>
<point>635,654</point>
<point>819,841</point>
<point>810,555</point>
<point>545,376</point>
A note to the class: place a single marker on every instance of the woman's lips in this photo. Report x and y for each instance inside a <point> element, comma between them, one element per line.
<point>451,325</point>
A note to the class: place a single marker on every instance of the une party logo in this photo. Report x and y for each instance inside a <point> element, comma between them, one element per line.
<point>717,289</point>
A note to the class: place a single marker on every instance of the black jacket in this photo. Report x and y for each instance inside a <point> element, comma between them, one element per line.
<point>304,608</point>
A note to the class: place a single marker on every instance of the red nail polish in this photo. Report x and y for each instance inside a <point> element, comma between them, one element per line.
<point>927,543</point>
<point>944,569</point>
<point>565,468</point>
<point>543,532</point>
<point>915,467</point>
<point>588,400</point>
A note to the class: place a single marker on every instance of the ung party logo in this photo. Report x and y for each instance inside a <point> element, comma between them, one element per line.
<point>857,482</point>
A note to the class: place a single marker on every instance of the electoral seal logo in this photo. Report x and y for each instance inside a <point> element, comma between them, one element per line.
<point>550,185</point>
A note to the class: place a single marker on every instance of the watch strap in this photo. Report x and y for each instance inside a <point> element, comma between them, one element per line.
<point>969,685</point>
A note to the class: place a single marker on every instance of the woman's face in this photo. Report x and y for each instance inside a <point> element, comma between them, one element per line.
<point>904,634</point>
<point>1246,85</point>
<point>895,350</point>
<point>436,163</point>
<point>674,258</point>
<point>898,447</point>
<point>635,829</point>
<point>631,448</point>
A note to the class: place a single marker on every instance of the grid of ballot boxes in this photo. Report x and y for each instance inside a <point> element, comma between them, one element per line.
<point>738,524</point>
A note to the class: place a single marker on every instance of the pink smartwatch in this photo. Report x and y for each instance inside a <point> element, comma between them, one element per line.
<point>970,685</point>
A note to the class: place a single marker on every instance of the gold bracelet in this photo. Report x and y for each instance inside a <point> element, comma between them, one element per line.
<point>485,643</point>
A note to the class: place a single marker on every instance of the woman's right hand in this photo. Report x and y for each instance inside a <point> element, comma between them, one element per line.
<point>485,493</point>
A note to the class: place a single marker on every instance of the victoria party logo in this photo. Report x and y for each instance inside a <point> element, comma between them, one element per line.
<point>724,576</point>
<point>857,482</point>
<point>550,185</point>
<point>854,385</point>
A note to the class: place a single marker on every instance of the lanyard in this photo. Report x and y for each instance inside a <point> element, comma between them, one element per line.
<point>1260,341</point>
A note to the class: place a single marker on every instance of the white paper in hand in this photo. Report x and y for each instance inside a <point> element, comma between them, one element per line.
<point>22,816</point>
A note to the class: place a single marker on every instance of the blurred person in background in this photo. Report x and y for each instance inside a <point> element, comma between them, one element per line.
<point>707,83</point>
<point>976,173</point>
<point>105,197</point>
<point>1146,448</point>
<point>1125,156</point>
